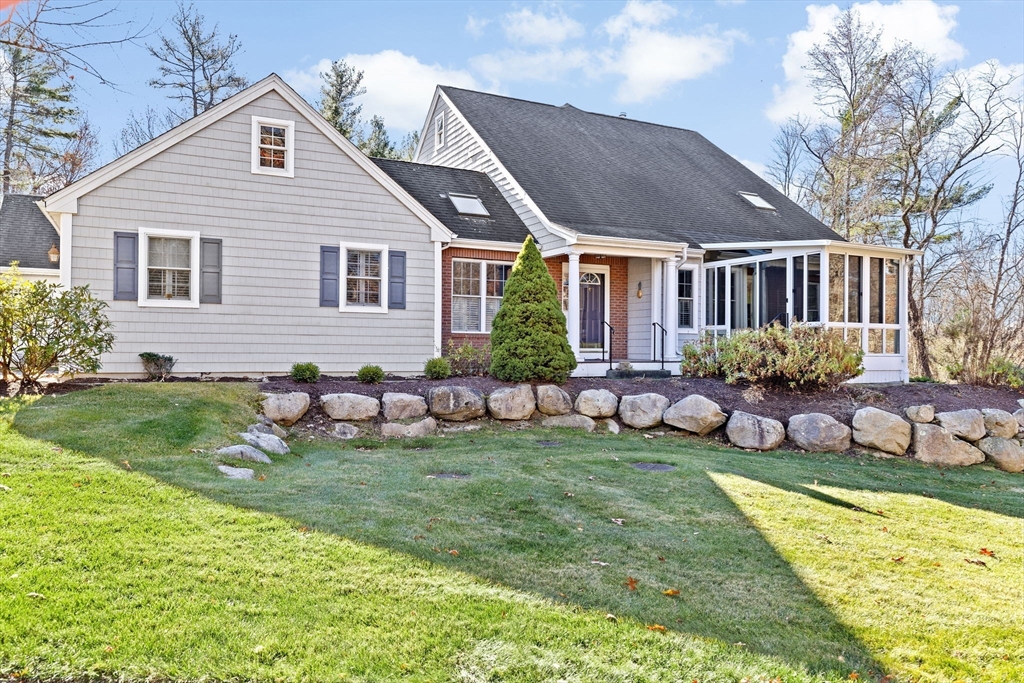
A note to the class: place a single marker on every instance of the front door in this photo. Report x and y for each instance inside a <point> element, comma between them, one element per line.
<point>591,311</point>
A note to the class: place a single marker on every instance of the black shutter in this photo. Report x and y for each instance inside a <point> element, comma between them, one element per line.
<point>210,260</point>
<point>126,266</point>
<point>330,276</point>
<point>396,279</point>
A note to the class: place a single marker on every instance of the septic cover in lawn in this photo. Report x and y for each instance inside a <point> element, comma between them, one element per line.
<point>448,475</point>
<point>653,466</point>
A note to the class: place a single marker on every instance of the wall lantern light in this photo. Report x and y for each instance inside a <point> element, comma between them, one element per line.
<point>640,290</point>
<point>53,254</point>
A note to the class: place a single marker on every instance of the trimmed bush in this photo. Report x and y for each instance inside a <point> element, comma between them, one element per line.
<point>529,341</point>
<point>468,360</point>
<point>438,368</point>
<point>370,374</point>
<point>801,357</point>
<point>305,372</point>
<point>157,366</point>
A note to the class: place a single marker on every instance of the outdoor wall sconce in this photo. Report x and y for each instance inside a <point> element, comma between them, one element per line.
<point>53,254</point>
<point>640,290</point>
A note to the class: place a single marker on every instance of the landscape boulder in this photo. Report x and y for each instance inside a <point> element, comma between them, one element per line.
<point>267,443</point>
<point>1000,423</point>
<point>967,424</point>
<point>922,414</point>
<point>403,406</point>
<point>456,403</point>
<point>286,409</point>
<point>755,432</point>
<point>244,452</point>
<point>552,400</point>
<point>938,446</point>
<point>427,425</point>
<point>571,421</point>
<point>695,414</point>
<point>343,430</point>
<point>880,430</point>
<point>512,403</point>
<point>236,472</point>
<point>1019,414</point>
<point>350,406</point>
<point>642,410</point>
<point>596,403</point>
<point>818,433</point>
<point>1006,454</point>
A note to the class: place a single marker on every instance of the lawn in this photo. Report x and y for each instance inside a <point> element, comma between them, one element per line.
<point>123,553</point>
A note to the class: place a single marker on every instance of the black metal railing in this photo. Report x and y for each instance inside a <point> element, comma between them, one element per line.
<point>611,338</point>
<point>654,331</point>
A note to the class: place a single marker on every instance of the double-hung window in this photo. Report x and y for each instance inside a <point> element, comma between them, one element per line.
<point>439,131</point>
<point>168,268</point>
<point>477,290</point>
<point>686,297</point>
<point>273,147</point>
<point>365,271</point>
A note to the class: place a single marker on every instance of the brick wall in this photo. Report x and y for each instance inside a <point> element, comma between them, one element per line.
<point>618,294</point>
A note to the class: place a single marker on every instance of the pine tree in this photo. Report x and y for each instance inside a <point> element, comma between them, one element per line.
<point>529,341</point>
<point>34,110</point>
<point>341,85</point>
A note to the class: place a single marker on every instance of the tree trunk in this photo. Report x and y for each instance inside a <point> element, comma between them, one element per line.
<point>9,136</point>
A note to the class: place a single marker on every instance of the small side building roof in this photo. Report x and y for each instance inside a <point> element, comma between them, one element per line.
<point>26,235</point>
<point>431,187</point>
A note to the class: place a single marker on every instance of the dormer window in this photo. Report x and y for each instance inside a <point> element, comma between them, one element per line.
<point>468,205</point>
<point>757,201</point>
<point>439,131</point>
<point>273,147</point>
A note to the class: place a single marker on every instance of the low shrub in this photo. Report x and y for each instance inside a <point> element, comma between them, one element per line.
<point>467,360</point>
<point>305,372</point>
<point>438,368</point>
<point>803,357</point>
<point>1003,372</point>
<point>370,374</point>
<point>157,366</point>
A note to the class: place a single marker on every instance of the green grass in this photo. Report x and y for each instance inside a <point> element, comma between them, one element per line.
<point>337,564</point>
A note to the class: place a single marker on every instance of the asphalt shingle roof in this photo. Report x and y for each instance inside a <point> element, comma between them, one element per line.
<point>616,177</point>
<point>25,233</point>
<point>430,186</point>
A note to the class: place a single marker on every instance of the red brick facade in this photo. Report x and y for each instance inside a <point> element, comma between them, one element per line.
<point>618,293</point>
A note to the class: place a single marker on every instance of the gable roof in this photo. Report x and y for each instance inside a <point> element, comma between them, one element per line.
<point>616,177</point>
<point>66,199</point>
<point>430,186</point>
<point>26,235</point>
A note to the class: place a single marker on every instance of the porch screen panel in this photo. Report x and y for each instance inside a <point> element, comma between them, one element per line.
<point>814,288</point>
<point>853,306</point>
<point>709,297</point>
<point>720,295</point>
<point>743,303</point>
<point>836,288</point>
<point>875,279</point>
<point>892,292</point>
<point>772,292</point>
<point>798,288</point>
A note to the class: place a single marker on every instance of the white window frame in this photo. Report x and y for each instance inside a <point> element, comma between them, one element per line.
<point>440,131</point>
<point>482,296</point>
<point>194,283</point>
<point>344,306</point>
<point>694,298</point>
<point>289,152</point>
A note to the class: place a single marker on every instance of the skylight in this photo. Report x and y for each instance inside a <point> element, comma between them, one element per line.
<point>468,204</point>
<point>757,201</point>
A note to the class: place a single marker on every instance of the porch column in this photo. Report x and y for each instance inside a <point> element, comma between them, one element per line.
<point>657,308</point>
<point>573,314</point>
<point>672,307</point>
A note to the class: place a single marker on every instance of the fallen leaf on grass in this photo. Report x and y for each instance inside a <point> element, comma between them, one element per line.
<point>567,494</point>
<point>657,627</point>
<point>108,648</point>
<point>599,563</point>
<point>630,583</point>
<point>453,552</point>
<point>262,477</point>
<point>37,596</point>
<point>670,592</point>
<point>127,466</point>
<point>898,559</point>
<point>611,617</point>
<point>986,551</point>
<point>854,676</point>
<point>618,521</point>
<point>980,563</point>
<point>662,559</point>
<point>418,537</point>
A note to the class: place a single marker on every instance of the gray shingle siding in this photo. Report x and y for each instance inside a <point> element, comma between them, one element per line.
<point>25,234</point>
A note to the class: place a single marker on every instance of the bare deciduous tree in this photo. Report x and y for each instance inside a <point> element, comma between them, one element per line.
<point>142,127</point>
<point>79,156</point>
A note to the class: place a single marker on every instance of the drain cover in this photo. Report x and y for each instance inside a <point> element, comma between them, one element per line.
<point>447,475</point>
<point>653,466</point>
<point>549,444</point>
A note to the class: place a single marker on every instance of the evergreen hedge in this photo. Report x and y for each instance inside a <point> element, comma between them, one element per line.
<point>529,341</point>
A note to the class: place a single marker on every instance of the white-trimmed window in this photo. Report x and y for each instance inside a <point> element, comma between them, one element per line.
<point>168,268</point>
<point>364,268</point>
<point>439,131</point>
<point>687,295</point>
<point>273,147</point>
<point>477,290</point>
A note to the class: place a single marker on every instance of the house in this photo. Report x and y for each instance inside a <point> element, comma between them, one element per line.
<point>28,237</point>
<point>255,236</point>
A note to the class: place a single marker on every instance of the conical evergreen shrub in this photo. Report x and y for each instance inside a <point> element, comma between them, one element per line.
<point>529,341</point>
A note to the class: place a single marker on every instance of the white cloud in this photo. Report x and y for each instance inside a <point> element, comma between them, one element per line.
<point>922,23</point>
<point>475,25</point>
<point>398,86</point>
<point>553,27</point>
<point>755,166</point>
<point>638,14</point>
<point>509,66</point>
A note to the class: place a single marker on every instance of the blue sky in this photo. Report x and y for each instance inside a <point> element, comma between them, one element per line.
<point>728,69</point>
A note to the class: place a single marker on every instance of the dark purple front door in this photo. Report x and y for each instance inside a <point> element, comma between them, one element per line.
<point>591,311</point>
